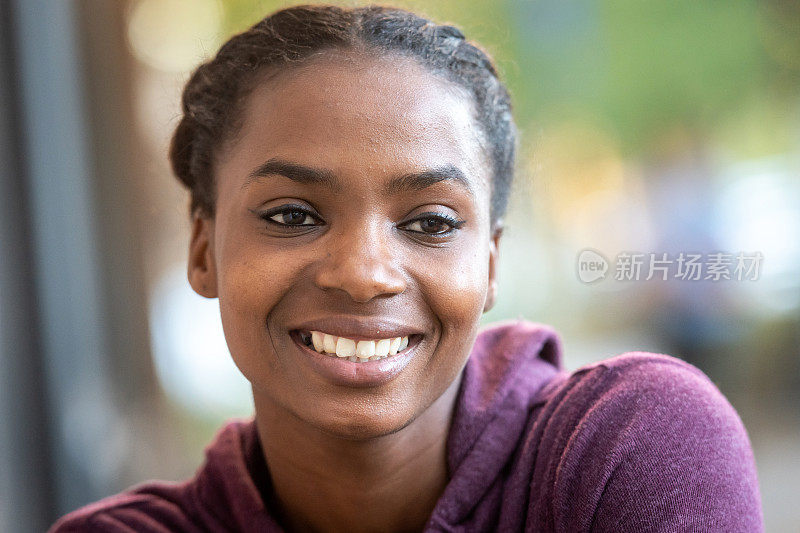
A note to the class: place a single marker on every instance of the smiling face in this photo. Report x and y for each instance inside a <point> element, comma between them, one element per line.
<point>353,202</point>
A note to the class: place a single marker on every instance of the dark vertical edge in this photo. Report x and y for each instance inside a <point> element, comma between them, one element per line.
<point>26,465</point>
<point>81,410</point>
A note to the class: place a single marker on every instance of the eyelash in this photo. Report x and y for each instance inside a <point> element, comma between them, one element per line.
<point>454,223</point>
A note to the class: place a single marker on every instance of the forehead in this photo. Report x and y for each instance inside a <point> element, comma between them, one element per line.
<point>352,112</point>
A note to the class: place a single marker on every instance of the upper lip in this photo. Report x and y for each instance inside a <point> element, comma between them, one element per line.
<point>358,327</point>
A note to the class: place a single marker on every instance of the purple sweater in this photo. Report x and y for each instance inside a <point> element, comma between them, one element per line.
<point>639,442</point>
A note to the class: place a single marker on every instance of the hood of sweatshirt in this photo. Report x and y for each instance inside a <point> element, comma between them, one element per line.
<point>503,380</point>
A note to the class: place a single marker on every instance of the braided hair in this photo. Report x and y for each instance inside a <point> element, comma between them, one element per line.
<point>213,97</point>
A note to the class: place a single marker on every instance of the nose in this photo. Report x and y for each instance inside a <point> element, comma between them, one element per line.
<point>362,263</point>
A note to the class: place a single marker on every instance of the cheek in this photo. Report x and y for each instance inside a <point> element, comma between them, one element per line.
<point>249,287</point>
<point>456,291</point>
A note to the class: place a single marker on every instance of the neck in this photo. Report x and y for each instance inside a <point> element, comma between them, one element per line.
<point>327,483</point>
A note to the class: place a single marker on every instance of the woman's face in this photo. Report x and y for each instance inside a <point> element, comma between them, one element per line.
<point>354,202</point>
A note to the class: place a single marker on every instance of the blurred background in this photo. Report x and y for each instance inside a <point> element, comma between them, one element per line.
<point>659,127</point>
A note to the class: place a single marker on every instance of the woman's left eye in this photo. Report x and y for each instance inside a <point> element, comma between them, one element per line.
<point>434,224</point>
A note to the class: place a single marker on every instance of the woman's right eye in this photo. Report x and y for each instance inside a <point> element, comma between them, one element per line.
<point>290,216</point>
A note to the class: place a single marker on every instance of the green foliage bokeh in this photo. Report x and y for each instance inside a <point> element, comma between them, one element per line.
<point>726,71</point>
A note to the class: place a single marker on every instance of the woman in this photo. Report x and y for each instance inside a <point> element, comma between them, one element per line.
<point>349,170</point>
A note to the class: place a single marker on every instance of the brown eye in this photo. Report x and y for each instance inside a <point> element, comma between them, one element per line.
<point>293,217</point>
<point>433,224</point>
<point>290,216</point>
<point>429,225</point>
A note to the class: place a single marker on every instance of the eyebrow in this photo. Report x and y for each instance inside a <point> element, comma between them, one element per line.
<point>420,180</point>
<point>414,181</point>
<point>293,171</point>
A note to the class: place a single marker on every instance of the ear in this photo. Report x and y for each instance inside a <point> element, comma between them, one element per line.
<point>494,246</point>
<point>202,264</point>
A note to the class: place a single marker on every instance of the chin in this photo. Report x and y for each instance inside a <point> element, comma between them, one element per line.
<point>361,432</point>
<point>362,424</point>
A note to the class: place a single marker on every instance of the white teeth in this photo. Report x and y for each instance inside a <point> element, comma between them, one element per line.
<point>365,349</point>
<point>382,347</point>
<point>357,351</point>
<point>318,339</point>
<point>328,343</point>
<point>345,347</point>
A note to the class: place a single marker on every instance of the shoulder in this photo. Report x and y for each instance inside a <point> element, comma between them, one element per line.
<point>646,439</point>
<point>154,506</point>
<point>222,495</point>
<point>645,384</point>
<point>639,399</point>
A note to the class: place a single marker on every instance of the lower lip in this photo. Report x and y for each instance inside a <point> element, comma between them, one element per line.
<point>349,374</point>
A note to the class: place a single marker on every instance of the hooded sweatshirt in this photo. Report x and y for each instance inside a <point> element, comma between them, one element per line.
<point>636,443</point>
